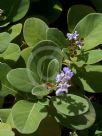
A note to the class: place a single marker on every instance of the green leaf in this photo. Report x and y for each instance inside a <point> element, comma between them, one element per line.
<point>42,54</point>
<point>25,53</point>
<point>34,31</point>
<point>6,87</point>
<point>91,57</point>
<point>6,130</point>
<point>90,78</point>
<point>4,113</point>
<point>89,28</point>
<point>14,9</point>
<point>52,70</point>
<point>4,41</point>
<point>98,123</point>
<point>15,30</point>
<point>57,36</point>
<point>79,122</point>
<point>73,134</point>
<point>4,69</point>
<point>20,8</point>
<point>98,133</point>
<point>12,52</point>
<point>71,105</point>
<point>20,79</point>
<point>40,91</point>
<point>48,127</point>
<point>94,56</point>
<point>76,13</point>
<point>10,120</point>
<point>27,116</point>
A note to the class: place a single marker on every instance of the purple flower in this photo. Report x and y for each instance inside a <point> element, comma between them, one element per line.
<point>59,92</point>
<point>63,85</point>
<point>68,73</point>
<point>59,77</point>
<point>66,70</point>
<point>75,35</point>
<point>79,44</point>
<point>68,76</point>
<point>62,81</point>
<point>72,36</point>
<point>62,88</point>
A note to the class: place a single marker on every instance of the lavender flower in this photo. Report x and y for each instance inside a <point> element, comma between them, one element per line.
<point>62,88</point>
<point>79,43</point>
<point>66,70</point>
<point>72,36</point>
<point>62,81</point>
<point>68,73</point>
<point>76,40</point>
<point>59,77</point>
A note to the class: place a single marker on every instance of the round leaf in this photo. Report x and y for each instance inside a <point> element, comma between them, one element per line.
<point>42,54</point>
<point>90,78</point>
<point>25,53</point>
<point>89,28</point>
<point>12,52</point>
<point>71,105</point>
<point>6,87</point>
<point>79,122</point>
<point>76,13</point>
<point>57,36</point>
<point>52,70</point>
<point>34,31</point>
<point>27,116</point>
<point>4,41</point>
<point>90,57</point>
<point>20,79</point>
<point>14,10</point>
<point>15,30</point>
<point>40,91</point>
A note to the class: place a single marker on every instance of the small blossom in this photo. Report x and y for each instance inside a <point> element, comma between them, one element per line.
<point>79,44</point>
<point>62,88</point>
<point>72,36</point>
<point>62,81</point>
<point>59,92</point>
<point>63,85</point>
<point>69,75</point>
<point>59,77</point>
<point>66,70</point>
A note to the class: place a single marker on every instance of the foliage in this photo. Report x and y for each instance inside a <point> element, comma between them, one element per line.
<point>47,73</point>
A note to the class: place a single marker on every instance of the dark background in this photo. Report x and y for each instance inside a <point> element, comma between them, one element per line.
<point>61,22</point>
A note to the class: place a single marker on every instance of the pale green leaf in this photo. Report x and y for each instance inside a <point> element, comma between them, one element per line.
<point>34,31</point>
<point>89,28</point>
<point>71,105</point>
<point>27,116</point>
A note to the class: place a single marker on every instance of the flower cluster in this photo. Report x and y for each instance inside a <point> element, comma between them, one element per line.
<point>75,37</point>
<point>62,81</point>
<point>72,36</point>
